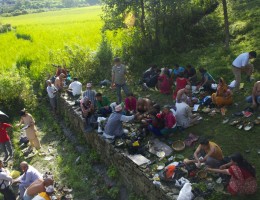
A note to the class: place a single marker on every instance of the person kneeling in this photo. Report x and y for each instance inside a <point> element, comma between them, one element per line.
<point>213,157</point>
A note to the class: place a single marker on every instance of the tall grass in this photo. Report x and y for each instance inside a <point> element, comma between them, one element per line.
<point>50,31</point>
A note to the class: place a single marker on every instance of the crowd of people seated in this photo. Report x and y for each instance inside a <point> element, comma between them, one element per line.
<point>185,81</point>
<point>160,122</point>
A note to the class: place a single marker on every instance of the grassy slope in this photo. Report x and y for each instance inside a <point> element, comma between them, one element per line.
<point>244,28</point>
<point>50,31</point>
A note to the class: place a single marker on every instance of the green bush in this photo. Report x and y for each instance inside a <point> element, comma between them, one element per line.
<point>23,36</point>
<point>104,55</point>
<point>84,63</point>
<point>16,91</point>
<point>23,61</point>
<point>5,28</point>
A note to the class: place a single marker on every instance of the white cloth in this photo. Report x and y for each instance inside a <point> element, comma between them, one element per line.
<point>51,91</point>
<point>5,179</point>
<point>76,87</point>
<point>241,61</point>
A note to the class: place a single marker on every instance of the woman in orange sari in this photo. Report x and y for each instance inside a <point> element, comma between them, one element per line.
<point>223,95</point>
<point>243,175</point>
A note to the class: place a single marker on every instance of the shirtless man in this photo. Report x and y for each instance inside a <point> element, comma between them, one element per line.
<point>37,187</point>
<point>143,105</point>
<point>184,95</point>
<point>59,82</point>
<point>255,97</point>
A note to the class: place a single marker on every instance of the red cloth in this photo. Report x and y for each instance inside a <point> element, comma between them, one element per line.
<point>241,181</point>
<point>169,120</point>
<point>165,84</point>
<point>4,137</point>
<point>180,84</point>
<point>130,104</point>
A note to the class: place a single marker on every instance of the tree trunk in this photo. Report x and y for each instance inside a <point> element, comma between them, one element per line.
<point>225,12</point>
<point>142,17</point>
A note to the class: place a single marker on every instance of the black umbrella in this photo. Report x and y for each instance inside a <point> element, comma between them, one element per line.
<point>3,117</point>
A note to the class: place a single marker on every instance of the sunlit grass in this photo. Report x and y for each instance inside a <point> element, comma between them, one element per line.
<point>49,31</point>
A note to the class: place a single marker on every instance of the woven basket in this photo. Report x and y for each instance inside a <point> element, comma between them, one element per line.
<point>178,145</point>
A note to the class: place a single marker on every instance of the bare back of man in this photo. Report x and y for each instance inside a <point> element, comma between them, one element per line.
<point>38,186</point>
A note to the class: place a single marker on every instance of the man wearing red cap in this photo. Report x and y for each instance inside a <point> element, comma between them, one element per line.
<point>114,126</point>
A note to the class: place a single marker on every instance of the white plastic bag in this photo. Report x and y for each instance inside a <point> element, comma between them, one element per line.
<point>181,182</point>
<point>232,84</point>
<point>186,193</point>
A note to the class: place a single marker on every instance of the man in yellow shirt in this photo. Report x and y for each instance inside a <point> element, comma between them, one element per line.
<point>213,154</point>
<point>45,195</point>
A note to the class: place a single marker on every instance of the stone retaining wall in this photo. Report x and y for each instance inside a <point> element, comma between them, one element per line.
<point>130,174</point>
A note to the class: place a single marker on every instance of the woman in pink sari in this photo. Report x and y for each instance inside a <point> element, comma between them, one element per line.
<point>243,175</point>
<point>165,82</point>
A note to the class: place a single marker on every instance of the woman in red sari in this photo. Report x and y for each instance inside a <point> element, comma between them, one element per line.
<point>181,82</point>
<point>165,82</point>
<point>243,175</point>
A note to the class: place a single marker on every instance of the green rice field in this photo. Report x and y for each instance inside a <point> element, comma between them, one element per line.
<point>49,31</point>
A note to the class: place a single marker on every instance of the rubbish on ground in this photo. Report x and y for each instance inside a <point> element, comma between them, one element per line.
<point>248,126</point>
<point>247,113</point>
<point>225,121</point>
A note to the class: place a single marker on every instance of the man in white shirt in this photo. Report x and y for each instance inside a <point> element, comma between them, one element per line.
<point>27,178</point>
<point>52,90</point>
<point>75,88</point>
<point>241,63</point>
